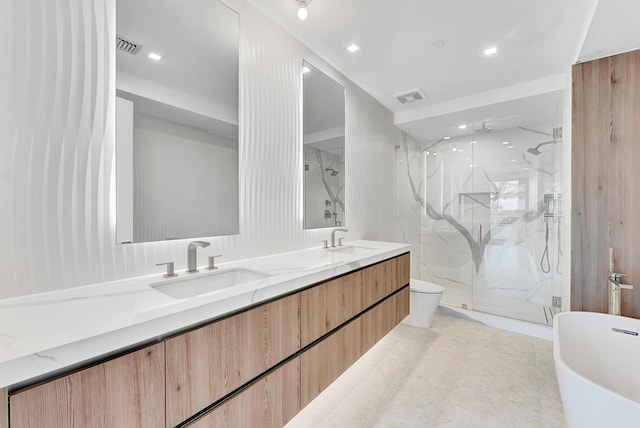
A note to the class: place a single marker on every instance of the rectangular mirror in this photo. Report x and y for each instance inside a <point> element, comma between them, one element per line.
<point>323,149</point>
<point>176,120</point>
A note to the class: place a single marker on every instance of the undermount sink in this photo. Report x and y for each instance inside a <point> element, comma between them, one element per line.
<point>352,249</point>
<point>182,288</point>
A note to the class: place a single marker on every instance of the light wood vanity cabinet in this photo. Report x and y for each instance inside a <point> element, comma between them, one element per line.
<point>328,305</point>
<point>123,392</point>
<point>255,368</point>
<point>270,402</point>
<point>204,365</point>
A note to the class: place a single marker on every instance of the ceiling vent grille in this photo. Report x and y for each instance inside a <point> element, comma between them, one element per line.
<point>411,96</point>
<point>128,46</point>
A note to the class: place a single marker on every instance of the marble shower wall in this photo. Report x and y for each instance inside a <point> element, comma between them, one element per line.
<point>323,187</point>
<point>57,171</point>
<point>476,213</point>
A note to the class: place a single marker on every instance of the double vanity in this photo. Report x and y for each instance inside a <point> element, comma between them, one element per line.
<point>247,344</point>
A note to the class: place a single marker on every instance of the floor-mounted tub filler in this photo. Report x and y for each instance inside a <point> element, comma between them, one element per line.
<point>596,358</point>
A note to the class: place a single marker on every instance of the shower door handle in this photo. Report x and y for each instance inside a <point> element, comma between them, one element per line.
<point>480,234</point>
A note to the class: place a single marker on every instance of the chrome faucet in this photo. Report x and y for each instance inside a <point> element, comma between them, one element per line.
<point>192,261</point>
<point>333,236</point>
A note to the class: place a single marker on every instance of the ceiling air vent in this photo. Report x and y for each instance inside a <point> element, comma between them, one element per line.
<point>128,46</point>
<point>410,96</point>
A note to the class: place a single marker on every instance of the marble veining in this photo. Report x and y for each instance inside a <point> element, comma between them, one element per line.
<point>478,223</point>
<point>48,332</point>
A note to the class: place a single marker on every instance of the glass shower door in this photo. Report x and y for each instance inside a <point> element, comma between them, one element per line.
<point>517,202</point>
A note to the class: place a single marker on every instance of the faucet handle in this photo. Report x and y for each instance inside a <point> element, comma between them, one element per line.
<point>325,243</point>
<point>212,261</point>
<point>340,242</point>
<point>170,272</point>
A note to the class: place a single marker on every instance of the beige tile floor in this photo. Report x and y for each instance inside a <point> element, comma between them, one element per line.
<point>459,373</point>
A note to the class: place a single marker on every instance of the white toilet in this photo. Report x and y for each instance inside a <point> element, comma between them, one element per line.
<point>424,297</point>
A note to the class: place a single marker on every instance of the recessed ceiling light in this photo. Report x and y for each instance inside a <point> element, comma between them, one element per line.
<point>505,142</point>
<point>509,147</point>
<point>306,69</point>
<point>460,150</point>
<point>471,166</point>
<point>526,169</point>
<point>435,154</point>
<point>513,160</point>
<point>427,153</point>
<point>490,51</point>
<point>455,149</point>
<point>154,56</point>
<point>446,138</point>
<point>353,47</point>
<point>473,142</point>
<point>462,126</point>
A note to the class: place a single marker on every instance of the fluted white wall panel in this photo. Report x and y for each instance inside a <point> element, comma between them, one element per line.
<point>57,127</point>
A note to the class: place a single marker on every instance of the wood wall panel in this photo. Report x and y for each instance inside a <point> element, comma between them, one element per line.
<point>378,282</point>
<point>269,403</point>
<point>624,197</point>
<point>205,364</point>
<point>4,409</point>
<point>125,392</point>
<point>328,305</point>
<point>605,177</point>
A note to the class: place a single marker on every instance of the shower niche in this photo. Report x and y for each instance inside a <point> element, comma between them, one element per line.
<point>323,149</point>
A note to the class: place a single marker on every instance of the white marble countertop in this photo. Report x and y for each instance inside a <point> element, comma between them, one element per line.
<point>47,333</point>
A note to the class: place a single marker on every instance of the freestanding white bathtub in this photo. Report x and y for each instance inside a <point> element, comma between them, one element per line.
<point>597,359</point>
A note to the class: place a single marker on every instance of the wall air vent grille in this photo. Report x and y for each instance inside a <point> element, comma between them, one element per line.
<point>128,46</point>
<point>410,96</point>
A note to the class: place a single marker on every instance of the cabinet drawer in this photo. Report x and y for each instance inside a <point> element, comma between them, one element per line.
<point>4,410</point>
<point>379,321</point>
<point>402,305</point>
<point>323,363</point>
<point>269,403</point>
<point>124,392</point>
<point>378,282</point>
<point>326,306</point>
<point>206,364</point>
<point>403,270</point>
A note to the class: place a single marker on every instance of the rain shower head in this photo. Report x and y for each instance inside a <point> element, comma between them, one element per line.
<point>534,150</point>
<point>332,171</point>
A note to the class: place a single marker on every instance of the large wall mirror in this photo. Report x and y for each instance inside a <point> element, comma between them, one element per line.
<point>176,120</point>
<point>323,143</point>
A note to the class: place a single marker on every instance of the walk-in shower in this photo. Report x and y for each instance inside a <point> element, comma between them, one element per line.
<point>477,211</point>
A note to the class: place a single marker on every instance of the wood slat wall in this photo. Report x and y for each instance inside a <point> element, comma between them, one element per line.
<point>605,180</point>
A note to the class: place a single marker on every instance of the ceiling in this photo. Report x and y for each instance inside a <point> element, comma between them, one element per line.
<point>536,40</point>
<point>202,42</point>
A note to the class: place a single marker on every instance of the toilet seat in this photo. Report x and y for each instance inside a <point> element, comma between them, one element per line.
<point>425,287</point>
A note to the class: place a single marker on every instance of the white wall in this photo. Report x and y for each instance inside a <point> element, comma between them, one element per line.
<point>185,181</point>
<point>57,171</point>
